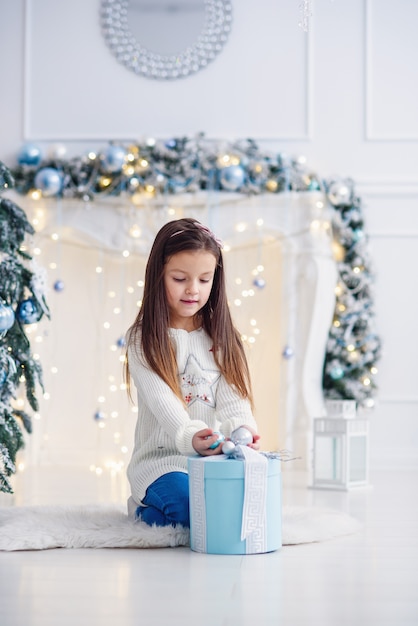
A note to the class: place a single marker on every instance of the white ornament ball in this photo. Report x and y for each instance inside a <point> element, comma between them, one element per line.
<point>228,447</point>
<point>57,151</point>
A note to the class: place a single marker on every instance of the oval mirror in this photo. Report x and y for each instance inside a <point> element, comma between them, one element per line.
<point>166,39</point>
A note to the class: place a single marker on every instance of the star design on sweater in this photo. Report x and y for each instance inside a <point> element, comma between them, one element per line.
<point>198,384</point>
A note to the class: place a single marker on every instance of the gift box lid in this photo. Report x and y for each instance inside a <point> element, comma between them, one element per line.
<point>221,466</point>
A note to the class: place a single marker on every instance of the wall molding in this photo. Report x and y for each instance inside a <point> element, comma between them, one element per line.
<point>387,187</point>
<point>306,122</point>
<point>398,400</point>
<point>369,134</point>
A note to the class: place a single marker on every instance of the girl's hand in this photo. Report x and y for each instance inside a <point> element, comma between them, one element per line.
<point>203,439</point>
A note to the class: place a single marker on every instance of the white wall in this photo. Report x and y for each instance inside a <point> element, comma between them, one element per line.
<point>345,95</point>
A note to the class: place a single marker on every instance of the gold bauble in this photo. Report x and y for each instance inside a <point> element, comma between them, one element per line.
<point>272,185</point>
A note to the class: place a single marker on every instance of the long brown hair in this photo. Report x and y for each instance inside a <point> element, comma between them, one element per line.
<point>153,319</point>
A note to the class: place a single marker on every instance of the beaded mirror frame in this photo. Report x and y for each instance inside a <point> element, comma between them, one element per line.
<point>135,57</point>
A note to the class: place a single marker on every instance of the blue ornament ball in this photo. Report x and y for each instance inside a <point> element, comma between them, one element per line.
<point>219,440</point>
<point>7,317</point>
<point>336,373</point>
<point>29,311</point>
<point>232,177</point>
<point>49,181</point>
<point>287,352</point>
<point>259,282</point>
<point>114,158</point>
<point>171,144</point>
<point>314,185</point>
<point>59,285</point>
<point>29,154</point>
<point>99,416</point>
<point>358,234</point>
<point>121,342</point>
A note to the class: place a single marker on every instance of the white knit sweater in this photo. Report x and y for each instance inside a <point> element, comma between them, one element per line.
<point>165,428</point>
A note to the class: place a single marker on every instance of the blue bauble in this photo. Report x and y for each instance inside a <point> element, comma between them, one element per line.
<point>287,352</point>
<point>336,373</point>
<point>49,181</point>
<point>314,185</point>
<point>29,311</point>
<point>59,285</point>
<point>232,178</point>
<point>99,416</point>
<point>7,317</point>
<point>121,342</point>
<point>259,282</point>
<point>358,234</point>
<point>29,154</point>
<point>171,144</point>
<point>114,158</point>
<point>219,440</point>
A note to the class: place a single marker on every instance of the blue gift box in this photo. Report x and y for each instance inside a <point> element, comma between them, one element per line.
<point>220,507</point>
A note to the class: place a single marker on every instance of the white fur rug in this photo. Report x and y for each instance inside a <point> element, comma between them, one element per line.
<point>45,527</point>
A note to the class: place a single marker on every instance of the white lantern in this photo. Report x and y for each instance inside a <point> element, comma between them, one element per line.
<point>341,452</point>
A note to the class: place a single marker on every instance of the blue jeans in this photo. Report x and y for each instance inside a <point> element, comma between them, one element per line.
<point>166,501</point>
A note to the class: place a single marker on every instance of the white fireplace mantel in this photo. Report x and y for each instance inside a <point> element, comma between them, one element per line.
<point>299,222</point>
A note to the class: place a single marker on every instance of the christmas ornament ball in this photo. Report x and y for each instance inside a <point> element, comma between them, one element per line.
<point>114,158</point>
<point>336,373</point>
<point>57,151</point>
<point>49,181</point>
<point>228,447</point>
<point>287,352</point>
<point>28,311</point>
<point>340,193</point>
<point>59,285</point>
<point>99,416</point>
<point>314,185</point>
<point>29,154</point>
<point>241,436</point>
<point>121,342</point>
<point>216,443</point>
<point>232,177</point>
<point>7,317</point>
<point>259,282</point>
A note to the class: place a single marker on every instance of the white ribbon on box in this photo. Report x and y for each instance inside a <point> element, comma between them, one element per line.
<point>254,514</point>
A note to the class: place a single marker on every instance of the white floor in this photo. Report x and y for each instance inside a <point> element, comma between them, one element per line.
<point>370,578</point>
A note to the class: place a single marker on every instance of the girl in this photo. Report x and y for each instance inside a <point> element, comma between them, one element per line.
<point>188,364</point>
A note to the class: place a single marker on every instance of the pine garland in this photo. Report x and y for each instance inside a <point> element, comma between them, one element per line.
<point>353,347</point>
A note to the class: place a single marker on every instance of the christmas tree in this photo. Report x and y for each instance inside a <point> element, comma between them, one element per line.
<point>22,302</point>
<point>353,347</point>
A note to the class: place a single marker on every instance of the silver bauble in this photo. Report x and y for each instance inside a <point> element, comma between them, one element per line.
<point>228,447</point>
<point>241,436</point>
<point>340,193</point>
